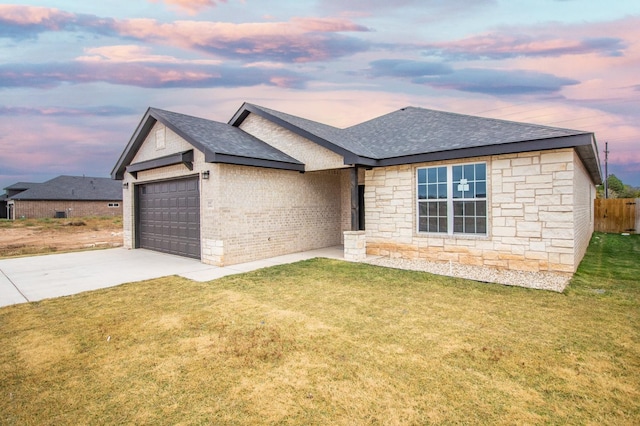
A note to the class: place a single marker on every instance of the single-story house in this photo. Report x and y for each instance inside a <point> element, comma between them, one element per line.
<point>415,183</point>
<point>65,196</point>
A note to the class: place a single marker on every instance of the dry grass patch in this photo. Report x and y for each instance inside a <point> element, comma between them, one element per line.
<point>326,342</point>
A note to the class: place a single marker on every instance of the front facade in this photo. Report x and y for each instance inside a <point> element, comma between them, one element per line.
<point>192,187</point>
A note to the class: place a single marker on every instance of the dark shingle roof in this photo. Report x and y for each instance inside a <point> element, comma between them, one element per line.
<point>412,135</point>
<point>81,188</point>
<point>20,186</point>
<point>220,138</point>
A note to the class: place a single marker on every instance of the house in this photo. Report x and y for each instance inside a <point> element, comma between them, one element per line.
<point>415,183</point>
<point>64,196</point>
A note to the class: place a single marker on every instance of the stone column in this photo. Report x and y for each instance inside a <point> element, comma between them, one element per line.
<point>355,246</point>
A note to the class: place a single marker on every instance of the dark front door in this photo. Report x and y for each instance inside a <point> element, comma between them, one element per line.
<point>168,217</point>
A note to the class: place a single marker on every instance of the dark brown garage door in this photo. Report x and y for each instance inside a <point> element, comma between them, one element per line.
<point>168,217</point>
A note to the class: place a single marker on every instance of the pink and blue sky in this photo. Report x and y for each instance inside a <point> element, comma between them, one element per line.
<point>76,77</point>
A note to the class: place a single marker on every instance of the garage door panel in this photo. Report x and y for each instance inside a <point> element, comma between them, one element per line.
<point>169,217</point>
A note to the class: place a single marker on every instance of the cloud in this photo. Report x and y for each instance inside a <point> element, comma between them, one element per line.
<point>297,40</point>
<point>475,80</point>
<point>103,111</point>
<point>134,53</point>
<point>20,22</point>
<point>512,45</point>
<point>406,68</point>
<point>148,75</point>
<point>191,6</point>
<point>498,82</point>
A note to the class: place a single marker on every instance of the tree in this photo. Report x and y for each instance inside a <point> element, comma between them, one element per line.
<point>615,185</point>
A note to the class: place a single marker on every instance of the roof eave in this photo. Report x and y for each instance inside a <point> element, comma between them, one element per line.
<point>238,160</point>
<point>583,143</point>
<point>144,127</point>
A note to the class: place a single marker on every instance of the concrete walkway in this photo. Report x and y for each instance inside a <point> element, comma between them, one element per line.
<point>29,279</point>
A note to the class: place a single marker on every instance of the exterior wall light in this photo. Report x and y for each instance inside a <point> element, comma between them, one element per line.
<point>205,175</point>
<point>125,185</point>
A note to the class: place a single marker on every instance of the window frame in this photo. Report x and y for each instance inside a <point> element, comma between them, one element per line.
<point>450,200</point>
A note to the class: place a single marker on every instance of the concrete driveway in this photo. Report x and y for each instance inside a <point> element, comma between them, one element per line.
<point>29,279</point>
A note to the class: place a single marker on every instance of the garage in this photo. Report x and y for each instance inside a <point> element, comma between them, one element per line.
<point>168,217</point>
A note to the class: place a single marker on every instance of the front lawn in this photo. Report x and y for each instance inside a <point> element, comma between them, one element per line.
<point>331,342</point>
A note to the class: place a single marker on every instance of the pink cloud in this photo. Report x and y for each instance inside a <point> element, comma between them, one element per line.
<point>191,6</point>
<point>50,18</point>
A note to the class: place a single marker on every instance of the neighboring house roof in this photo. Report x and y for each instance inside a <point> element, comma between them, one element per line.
<point>220,142</point>
<point>20,186</point>
<point>412,135</point>
<point>79,188</point>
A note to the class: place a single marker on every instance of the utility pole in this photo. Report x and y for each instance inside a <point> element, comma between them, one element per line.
<point>606,170</point>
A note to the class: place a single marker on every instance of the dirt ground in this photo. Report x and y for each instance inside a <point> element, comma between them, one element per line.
<point>36,237</point>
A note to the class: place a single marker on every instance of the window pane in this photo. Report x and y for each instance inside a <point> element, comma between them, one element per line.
<point>422,175</point>
<point>433,224</point>
<point>481,208</point>
<point>481,225</point>
<point>422,224</point>
<point>457,224</point>
<point>422,207</point>
<point>481,171</point>
<point>422,192</point>
<point>442,190</point>
<point>433,209</point>
<point>458,209</point>
<point>457,174</point>
<point>442,174</point>
<point>468,172</point>
<point>432,191</point>
<point>470,208</point>
<point>469,225</point>
<point>443,224</point>
<point>456,192</point>
<point>432,174</point>
<point>442,207</point>
<point>481,190</point>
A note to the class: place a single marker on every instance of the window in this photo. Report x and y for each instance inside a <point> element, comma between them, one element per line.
<point>453,199</point>
<point>114,204</point>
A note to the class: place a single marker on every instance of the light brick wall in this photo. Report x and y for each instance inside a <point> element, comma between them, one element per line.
<point>314,156</point>
<point>249,213</point>
<point>43,209</point>
<point>261,213</point>
<point>530,207</point>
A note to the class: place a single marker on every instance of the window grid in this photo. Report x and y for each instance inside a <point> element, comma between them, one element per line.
<point>452,199</point>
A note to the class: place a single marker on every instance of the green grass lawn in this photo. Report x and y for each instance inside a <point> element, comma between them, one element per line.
<point>330,342</point>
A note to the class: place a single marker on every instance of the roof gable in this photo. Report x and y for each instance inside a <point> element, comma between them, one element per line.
<point>220,142</point>
<point>81,188</point>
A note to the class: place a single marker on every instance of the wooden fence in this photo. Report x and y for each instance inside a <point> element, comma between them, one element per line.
<point>616,215</point>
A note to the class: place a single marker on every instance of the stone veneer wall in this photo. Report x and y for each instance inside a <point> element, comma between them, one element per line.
<point>532,215</point>
<point>43,209</point>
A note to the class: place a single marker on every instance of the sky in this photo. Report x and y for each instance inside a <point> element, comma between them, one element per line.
<point>77,77</point>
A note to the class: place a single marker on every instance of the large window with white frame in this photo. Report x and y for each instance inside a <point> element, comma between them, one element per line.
<point>453,199</point>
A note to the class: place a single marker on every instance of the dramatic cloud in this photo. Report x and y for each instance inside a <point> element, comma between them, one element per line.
<point>156,75</point>
<point>476,80</point>
<point>133,53</point>
<point>509,45</point>
<point>298,40</point>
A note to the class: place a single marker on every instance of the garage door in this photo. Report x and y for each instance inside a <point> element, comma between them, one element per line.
<point>168,217</point>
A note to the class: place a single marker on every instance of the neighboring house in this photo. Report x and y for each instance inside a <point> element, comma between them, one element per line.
<point>11,190</point>
<point>415,183</point>
<point>65,196</point>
